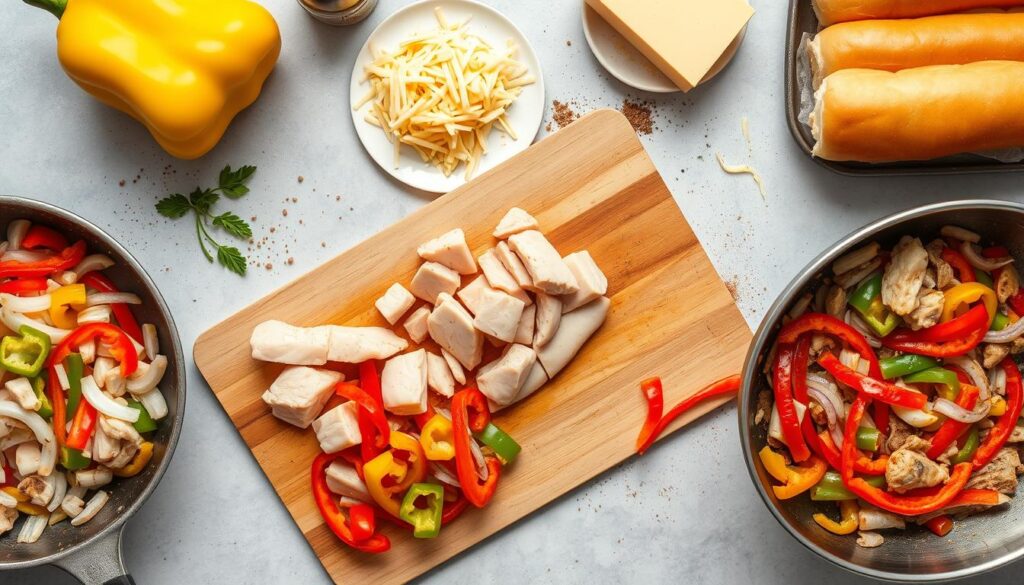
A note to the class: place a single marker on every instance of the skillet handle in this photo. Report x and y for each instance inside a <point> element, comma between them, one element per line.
<point>100,563</point>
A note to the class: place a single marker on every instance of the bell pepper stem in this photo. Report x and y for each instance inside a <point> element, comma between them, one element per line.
<point>55,7</point>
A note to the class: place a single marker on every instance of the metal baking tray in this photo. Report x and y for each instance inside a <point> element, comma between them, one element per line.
<point>802,20</point>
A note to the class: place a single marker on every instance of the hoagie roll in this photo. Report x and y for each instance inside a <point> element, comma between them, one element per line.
<point>832,11</point>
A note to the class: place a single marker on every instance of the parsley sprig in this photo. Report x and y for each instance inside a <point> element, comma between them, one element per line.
<point>231,184</point>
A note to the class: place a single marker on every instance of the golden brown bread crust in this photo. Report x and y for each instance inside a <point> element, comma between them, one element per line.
<point>868,115</point>
<point>832,11</point>
<point>892,45</point>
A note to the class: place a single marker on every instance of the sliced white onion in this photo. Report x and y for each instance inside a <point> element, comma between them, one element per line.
<point>826,404</point>
<point>92,263</point>
<point>60,488</point>
<point>155,404</point>
<point>958,413</point>
<point>25,304</point>
<point>149,378</point>
<point>32,529</point>
<point>478,457</point>
<point>96,314</point>
<point>959,233</point>
<point>830,390</point>
<point>62,377</point>
<point>975,372</point>
<point>837,437</point>
<point>4,245</point>
<point>95,504</point>
<point>110,298</point>
<point>41,429</point>
<point>106,404</point>
<point>980,262</point>
<point>65,278</point>
<point>1008,333</point>
<point>15,438</point>
<point>997,381</point>
<point>16,231</point>
<point>854,320</point>
<point>6,499</point>
<point>14,321</point>
<point>24,256</point>
<point>150,339</point>
<point>442,474</point>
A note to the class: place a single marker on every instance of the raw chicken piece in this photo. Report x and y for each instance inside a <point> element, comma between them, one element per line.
<point>497,315</point>
<point>573,331</point>
<point>536,378</point>
<point>451,326</point>
<point>549,315</point>
<point>299,393</point>
<point>454,366</point>
<point>276,341</point>
<point>433,279</point>
<point>589,278</point>
<point>395,302</point>
<point>343,480</point>
<point>904,276</point>
<point>355,345</point>
<point>515,267</point>
<point>501,379</point>
<point>524,333</point>
<point>498,277</point>
<point>473,293</point>
<point>451,250</point>
<point>439,375</point>
<point>516,220</point>
<point>338,428</point>
<point>416,324</point>
<point>403,383</point>
<point>545,265</point>
<point>909,468</point>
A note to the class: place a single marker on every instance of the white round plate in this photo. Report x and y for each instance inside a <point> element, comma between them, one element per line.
<point>628,65</point>
<point>524,115</point>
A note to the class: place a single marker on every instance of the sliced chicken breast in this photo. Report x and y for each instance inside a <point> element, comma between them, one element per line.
<point>473,293</point>
<point>395,302</point>
<point>433,279</point>
<point>416,324</point>
<point>573,331</point>
<point>524,333</point>
<point>451,250</point>
<point>451,326</point>
<point>499,278</point>
<point>498,314</point>
<point>549,315</point>
<point>343,479</point>
<point>535,379</point>
<point>591,280</point>
<point>403,383</point>
<point>501,379</point>
<point>299,393</point>
<point>516,220</point>
<point>515,267</point>
<point>454,366</point>
<point>354,345</point>
<point>439,375</point>
<point>279,342</point>
<point>545,265</point>
<point>338,428</point>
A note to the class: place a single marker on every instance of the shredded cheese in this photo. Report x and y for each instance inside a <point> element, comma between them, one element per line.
<point>740,169</point>
<point>441,94</point>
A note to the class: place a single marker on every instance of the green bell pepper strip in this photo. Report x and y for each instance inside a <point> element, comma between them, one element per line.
<point>867,300</point>
<point>831,488</point>
<point>145,423</point>
<point>74,367</point>
<point>941,376</point>
<point>426,521</point>
<point>500,442</point>
<point>73,459</point>
<point>906,364</point>
<point>970,446</point>
<point>868,439</point>
<point>45,407</point>
<point>25,355</point>
<point>1000,322</point>
<point>984,278</point>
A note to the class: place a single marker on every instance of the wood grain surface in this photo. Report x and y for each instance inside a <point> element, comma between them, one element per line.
<point>592,186</point>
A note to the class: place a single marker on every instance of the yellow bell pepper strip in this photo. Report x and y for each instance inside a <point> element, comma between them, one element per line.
<point>437,439</point>
<point>966,293</point>
<point>61,301</point>
<point>24,505</point>
<point>389,475</point>
<point>407,450</point>
<point>421,507</point>
<point>795,480</point>
<point>374,473</point>
<point>138,463</point>
<point>183,68</point>
<point>848,510</point>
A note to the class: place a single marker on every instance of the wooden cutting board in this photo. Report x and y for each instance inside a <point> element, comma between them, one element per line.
<point>591,186</point>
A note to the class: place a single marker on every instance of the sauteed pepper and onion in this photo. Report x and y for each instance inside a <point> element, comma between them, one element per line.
<point>895,395</point>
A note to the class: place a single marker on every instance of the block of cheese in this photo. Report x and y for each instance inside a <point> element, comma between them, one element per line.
<point>682,38</point>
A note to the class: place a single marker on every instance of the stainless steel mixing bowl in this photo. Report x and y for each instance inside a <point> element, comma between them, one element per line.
<point>976,545</point>
<point>92,552</point>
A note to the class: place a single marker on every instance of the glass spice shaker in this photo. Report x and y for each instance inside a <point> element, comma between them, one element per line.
<point>339,12</point>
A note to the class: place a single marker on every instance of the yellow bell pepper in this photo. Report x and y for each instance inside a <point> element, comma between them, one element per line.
<point>138,463</point>
<point>966,293</point>
<point>795,480</point>
<point>184,68</point>
<point>61,302</point>
<point>391,473</point>
<point>437,439</point>
<point>998,407</point>
<point>24,505</point>
<point>848,510</point>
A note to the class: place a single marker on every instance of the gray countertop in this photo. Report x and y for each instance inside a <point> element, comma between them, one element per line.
<point>686,508</point>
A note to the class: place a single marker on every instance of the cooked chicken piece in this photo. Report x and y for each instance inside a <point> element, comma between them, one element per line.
<point>433,279</point>
<point>128,451</point>
<point>104,447</point>
<point>21,390</point>
<point>416,324</point>
<point>515,267</point>
<point>928,311</point>
<point>343,480</point>
<point>875,519</point>
<point>439,375</point>
<point>119,429</point>
<point>451,326</point>
<point>497,315</point>
<point>852,277</point>
<point>516,220</point>
<point>591,281</point>
<point>929,278</point>
<point>276,341</point>
<point>909,468</point>
<point>904,276</point>
<point>993,353</point>
<point>549,315</point>
<point>27,458</point>
<point>473,293</point>
<point>395,302</point>
<point>355,345</point>
<point>869,539</point>
<point>764,406</point>
<point>835,301</point>
<point>449,249</point>
<point>573,331</point>
<point>524,333</point>
<point>95,504</point>
<point>853,259</point>
<point>299,393</point>
<point>115,384</point>
<point>1017,346</point>
<point>38,488</point>
<point>338,428</point>
<point>1017,435</point>
<point>454,366</point>
<point>1000,474</point>
<point>944,275</point>
<point>7,518</point>
<point>498,277</point>
<point>1008,283</point>
<point>801,305</point>
<point>403,383</point>
<point>72,505</point>
<point>545,265</point>
<point>959,233</point>
<point>501,380</point>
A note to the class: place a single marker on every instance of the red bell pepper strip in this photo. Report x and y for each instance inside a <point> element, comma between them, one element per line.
<point>801,357</point>
<point>829,325</point>
<point>369,381</point>
<point>470,413</point>
<point>784,404</point>
<point>655,396</point>
<point>1016,303</point>
<point>877,389</point>
<point>725,386</point>
<point>1003,428</point>
<point>65,260</point>
<point>975,497</point>
<point>327,503</point>
<point>21,286</point>
<point>880,414</point>
<point>951,430</point>
<point>362,520</point>
<point>59,408</point>
<point>964,270</point>
<point>40,236</point>
<point>82,425</point>
<point>939,350</point>
<point>958,328</point>
<point>421,420</point>
<point>372,408</point>
<point>862,464</point>
<point>940,525</point>
<point>453,510</point>
<point>121,347</point>
<point>122,312</point>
